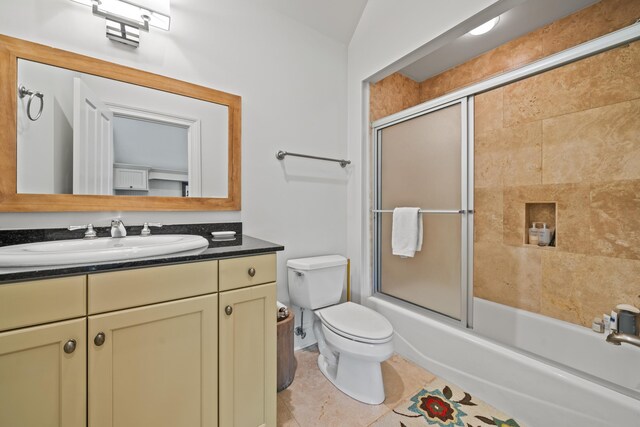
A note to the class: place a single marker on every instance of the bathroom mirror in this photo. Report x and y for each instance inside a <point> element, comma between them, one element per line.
<point>83,134</point>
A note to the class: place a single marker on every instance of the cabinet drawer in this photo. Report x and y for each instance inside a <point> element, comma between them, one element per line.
<point>41,301</point>
<point>235,273</point>
<point>132,288</point>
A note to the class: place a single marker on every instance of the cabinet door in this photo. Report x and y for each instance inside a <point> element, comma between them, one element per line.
<point>130,179</point>
<point>42,382</point>
<point>248,357</point>
<point>155,365</point>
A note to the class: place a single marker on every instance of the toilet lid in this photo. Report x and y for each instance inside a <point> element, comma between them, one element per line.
<point>356,322</point>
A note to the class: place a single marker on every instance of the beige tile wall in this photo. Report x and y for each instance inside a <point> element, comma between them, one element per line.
<point>392,94</point>
<point>397,92</point>
<point>570,136</point>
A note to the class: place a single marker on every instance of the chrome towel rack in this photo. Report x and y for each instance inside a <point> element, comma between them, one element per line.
<point>427,211</point>
<point>22,92</point>
<point>280,155</point>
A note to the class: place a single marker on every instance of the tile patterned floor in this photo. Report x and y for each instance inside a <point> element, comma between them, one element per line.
<point>311,400</point>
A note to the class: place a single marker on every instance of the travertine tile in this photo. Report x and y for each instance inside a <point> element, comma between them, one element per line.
<point>510,55</point>
<point>615,219</point>
<point>392,94</point>
<point>487,216</point>
<point>615,75</point>
<point>572,214</point>
<point>284,416</point>
<point>401,378</point>
<point>489,63</point>
<point>314,401</point>
<point>508,275</point>
<point>461,76</point>
<point>589,23</point>
<point>592,22</point>
<point>599,144</point>
<point>576,288</point>
<point>525,49</point>
<point>509,156</point>
<point>488,111</point>
<point>434,86</point>
<point>553,93</point>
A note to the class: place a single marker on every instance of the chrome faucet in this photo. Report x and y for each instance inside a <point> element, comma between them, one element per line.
<point>117,228</point>
<point>617,338</point>
<point>628,326</point>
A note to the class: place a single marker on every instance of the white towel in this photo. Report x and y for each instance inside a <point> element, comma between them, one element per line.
<point>406,233</point>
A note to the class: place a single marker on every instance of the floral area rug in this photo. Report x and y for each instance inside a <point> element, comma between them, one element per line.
<point>442,404</point>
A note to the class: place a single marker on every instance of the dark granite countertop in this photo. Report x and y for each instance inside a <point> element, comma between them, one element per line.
<point>240,246</point>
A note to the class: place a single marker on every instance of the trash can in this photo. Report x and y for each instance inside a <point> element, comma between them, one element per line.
<point>287,363</point>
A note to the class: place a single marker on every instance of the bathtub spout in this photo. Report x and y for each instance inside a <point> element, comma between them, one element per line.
<point>616,338</point>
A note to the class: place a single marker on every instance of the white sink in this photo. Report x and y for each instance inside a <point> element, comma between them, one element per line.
<point>104,249</point>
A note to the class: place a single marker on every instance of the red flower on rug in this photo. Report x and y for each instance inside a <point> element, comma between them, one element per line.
<point>437,408</point>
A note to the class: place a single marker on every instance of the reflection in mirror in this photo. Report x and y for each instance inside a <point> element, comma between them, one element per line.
<point>102,136</point>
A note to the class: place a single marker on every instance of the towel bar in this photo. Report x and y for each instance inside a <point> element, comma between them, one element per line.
<point>280,155</point>
<point>427,211</point>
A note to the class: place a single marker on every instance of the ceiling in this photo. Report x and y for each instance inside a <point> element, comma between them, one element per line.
<point>514,23</point>
<point>336,19</point>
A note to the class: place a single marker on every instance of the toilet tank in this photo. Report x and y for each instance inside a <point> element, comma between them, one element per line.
<point>316,282</point>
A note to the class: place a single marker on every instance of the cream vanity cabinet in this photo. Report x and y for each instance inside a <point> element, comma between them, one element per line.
<point>180,345</point>
<point>43,367</point>
<point>248,341</point>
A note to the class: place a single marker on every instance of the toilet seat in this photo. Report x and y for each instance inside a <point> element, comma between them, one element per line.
<point>356,322</point>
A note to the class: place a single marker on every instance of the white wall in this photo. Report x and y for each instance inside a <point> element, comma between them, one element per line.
<point>158,145</point>
<point>45,144</point>
<point>389,36</point>
<point>213,124</point>
<point>293,86</point>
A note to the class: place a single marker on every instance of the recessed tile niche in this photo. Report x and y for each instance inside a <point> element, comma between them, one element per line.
<point>542,212</point>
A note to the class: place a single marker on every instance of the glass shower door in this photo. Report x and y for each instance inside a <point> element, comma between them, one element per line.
<point>421,162</point>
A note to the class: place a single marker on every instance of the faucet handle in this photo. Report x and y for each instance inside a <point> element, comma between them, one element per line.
<point>145,229</point>
<point>89,234</point>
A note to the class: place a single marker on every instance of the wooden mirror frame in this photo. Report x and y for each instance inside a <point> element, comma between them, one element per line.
<point>12,49</point>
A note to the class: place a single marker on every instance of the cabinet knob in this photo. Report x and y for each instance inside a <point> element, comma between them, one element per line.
<point>70,346</point>
<point>252,272</point>
<point>228,310</point>
<point>99,339</point>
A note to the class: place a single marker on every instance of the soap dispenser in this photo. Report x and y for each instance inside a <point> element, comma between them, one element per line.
<point>533,234</point>
<point>544,235</point>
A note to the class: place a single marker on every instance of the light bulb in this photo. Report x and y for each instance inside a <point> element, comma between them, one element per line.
<point>486,27</point>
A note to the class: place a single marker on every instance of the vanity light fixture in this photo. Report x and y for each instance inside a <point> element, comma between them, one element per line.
<point>126,18</point>
<point>486,27</point>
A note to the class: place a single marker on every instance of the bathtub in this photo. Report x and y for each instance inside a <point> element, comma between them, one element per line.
<point>537,393</point>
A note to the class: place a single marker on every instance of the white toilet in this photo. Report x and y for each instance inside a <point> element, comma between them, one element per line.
<point>353,340</point>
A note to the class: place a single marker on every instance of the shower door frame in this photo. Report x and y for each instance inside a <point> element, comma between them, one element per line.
<point>466,204</point>
<point>589,48</point>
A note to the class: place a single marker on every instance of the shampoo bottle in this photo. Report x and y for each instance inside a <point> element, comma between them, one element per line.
<point>533,234</point>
